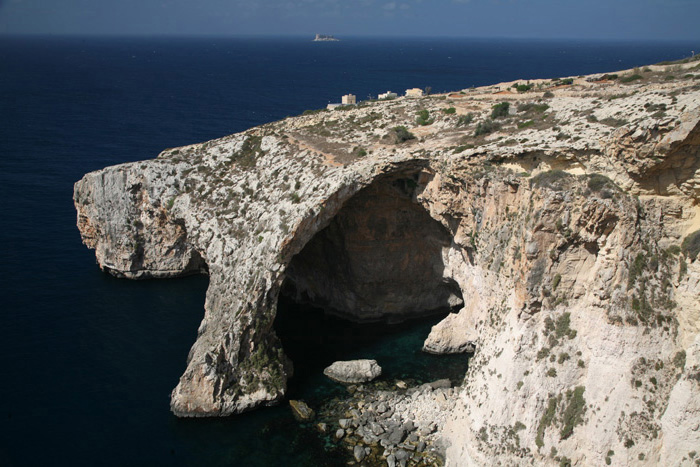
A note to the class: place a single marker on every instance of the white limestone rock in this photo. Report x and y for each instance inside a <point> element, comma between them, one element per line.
<point>353,371</point>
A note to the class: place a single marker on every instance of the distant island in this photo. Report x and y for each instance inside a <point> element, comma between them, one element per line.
<point>325,38</point>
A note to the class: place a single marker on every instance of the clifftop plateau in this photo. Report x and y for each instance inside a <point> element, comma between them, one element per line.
<point>559,219</point>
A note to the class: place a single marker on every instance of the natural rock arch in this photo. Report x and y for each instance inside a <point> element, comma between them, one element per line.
<point>379,259</point>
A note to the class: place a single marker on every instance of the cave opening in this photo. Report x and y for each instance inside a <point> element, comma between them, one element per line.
<point>370,285</point>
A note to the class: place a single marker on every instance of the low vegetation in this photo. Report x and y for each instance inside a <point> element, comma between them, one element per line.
<point>249,153</point>
<point>691,245</point>
<point>522,87</point>
<point>631,78</point>
<point>486,127</point>
<point>567,412</point>
<point>556,180</point>
<point>465,120</point>
<point>423,118</point>
<point>399,134</point>
<point>500,110</point>
<point>532,107</point>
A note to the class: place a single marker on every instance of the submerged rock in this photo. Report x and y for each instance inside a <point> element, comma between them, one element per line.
<point>301,411</point>
<point>353,371</point>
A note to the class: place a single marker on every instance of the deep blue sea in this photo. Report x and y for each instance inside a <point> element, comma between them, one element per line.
<point>87,362</point>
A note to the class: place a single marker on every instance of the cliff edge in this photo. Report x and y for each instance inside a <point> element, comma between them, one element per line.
<point>559,218</point>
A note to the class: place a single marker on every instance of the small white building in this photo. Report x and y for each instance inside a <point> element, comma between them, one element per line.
<point>387,95</point>
<point>415,92</point>
<point>349,99</point>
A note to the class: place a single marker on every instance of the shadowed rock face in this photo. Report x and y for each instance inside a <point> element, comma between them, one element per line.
<point>379,259</point>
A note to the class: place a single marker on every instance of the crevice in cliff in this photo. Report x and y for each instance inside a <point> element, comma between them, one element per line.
<point>379,259</point>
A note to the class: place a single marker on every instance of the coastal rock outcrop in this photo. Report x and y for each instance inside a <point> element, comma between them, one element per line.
<point>555,234</point>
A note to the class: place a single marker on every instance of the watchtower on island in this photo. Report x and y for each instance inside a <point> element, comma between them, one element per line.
<point>349,99</point>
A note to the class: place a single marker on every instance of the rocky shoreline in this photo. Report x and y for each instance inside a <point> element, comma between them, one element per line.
<point>390,423</point>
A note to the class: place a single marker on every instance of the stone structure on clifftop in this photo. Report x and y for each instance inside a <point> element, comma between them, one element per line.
<point>563,232</point>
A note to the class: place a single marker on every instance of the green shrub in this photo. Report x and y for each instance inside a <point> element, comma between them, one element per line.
<point>683,270</point>
<point>563,326</point>
<point>555,281</point>
<point>464,120</point>
<point>636,269</point>
<point>673,250</point>
<point>548,95</point>
<point>679,359</point>
<point>399,134</point>
<point>573,414</point>
<point>522,125</point>
<point>449,110</point>
<point>500,110</point>
<point>486,127</point>
<point>523,87</point>
<point>691,245</point>
<point>567,81</point>
<point>359,151</point>
<point>423,118</point>
<point>531,106</point>
<point>546,420</point>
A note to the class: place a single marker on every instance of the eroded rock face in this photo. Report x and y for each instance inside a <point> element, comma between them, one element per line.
<point>559,234</point>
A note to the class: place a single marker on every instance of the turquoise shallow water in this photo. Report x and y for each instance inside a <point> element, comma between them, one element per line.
<point>88,361</point>
<point>314,340</point>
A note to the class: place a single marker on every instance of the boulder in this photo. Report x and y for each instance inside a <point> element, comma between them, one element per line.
<point>353,371</point>
<point>359,453</point>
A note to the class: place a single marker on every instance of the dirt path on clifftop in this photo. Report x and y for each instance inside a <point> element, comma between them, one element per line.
<point>329,159</point>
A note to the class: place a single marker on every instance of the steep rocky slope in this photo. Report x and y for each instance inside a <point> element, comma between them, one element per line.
<point>562,228</point>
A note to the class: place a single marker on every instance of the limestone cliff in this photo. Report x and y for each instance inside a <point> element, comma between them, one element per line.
<point>562,227</point>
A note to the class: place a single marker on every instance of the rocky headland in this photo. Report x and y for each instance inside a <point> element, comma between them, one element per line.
<point>559,219</point>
